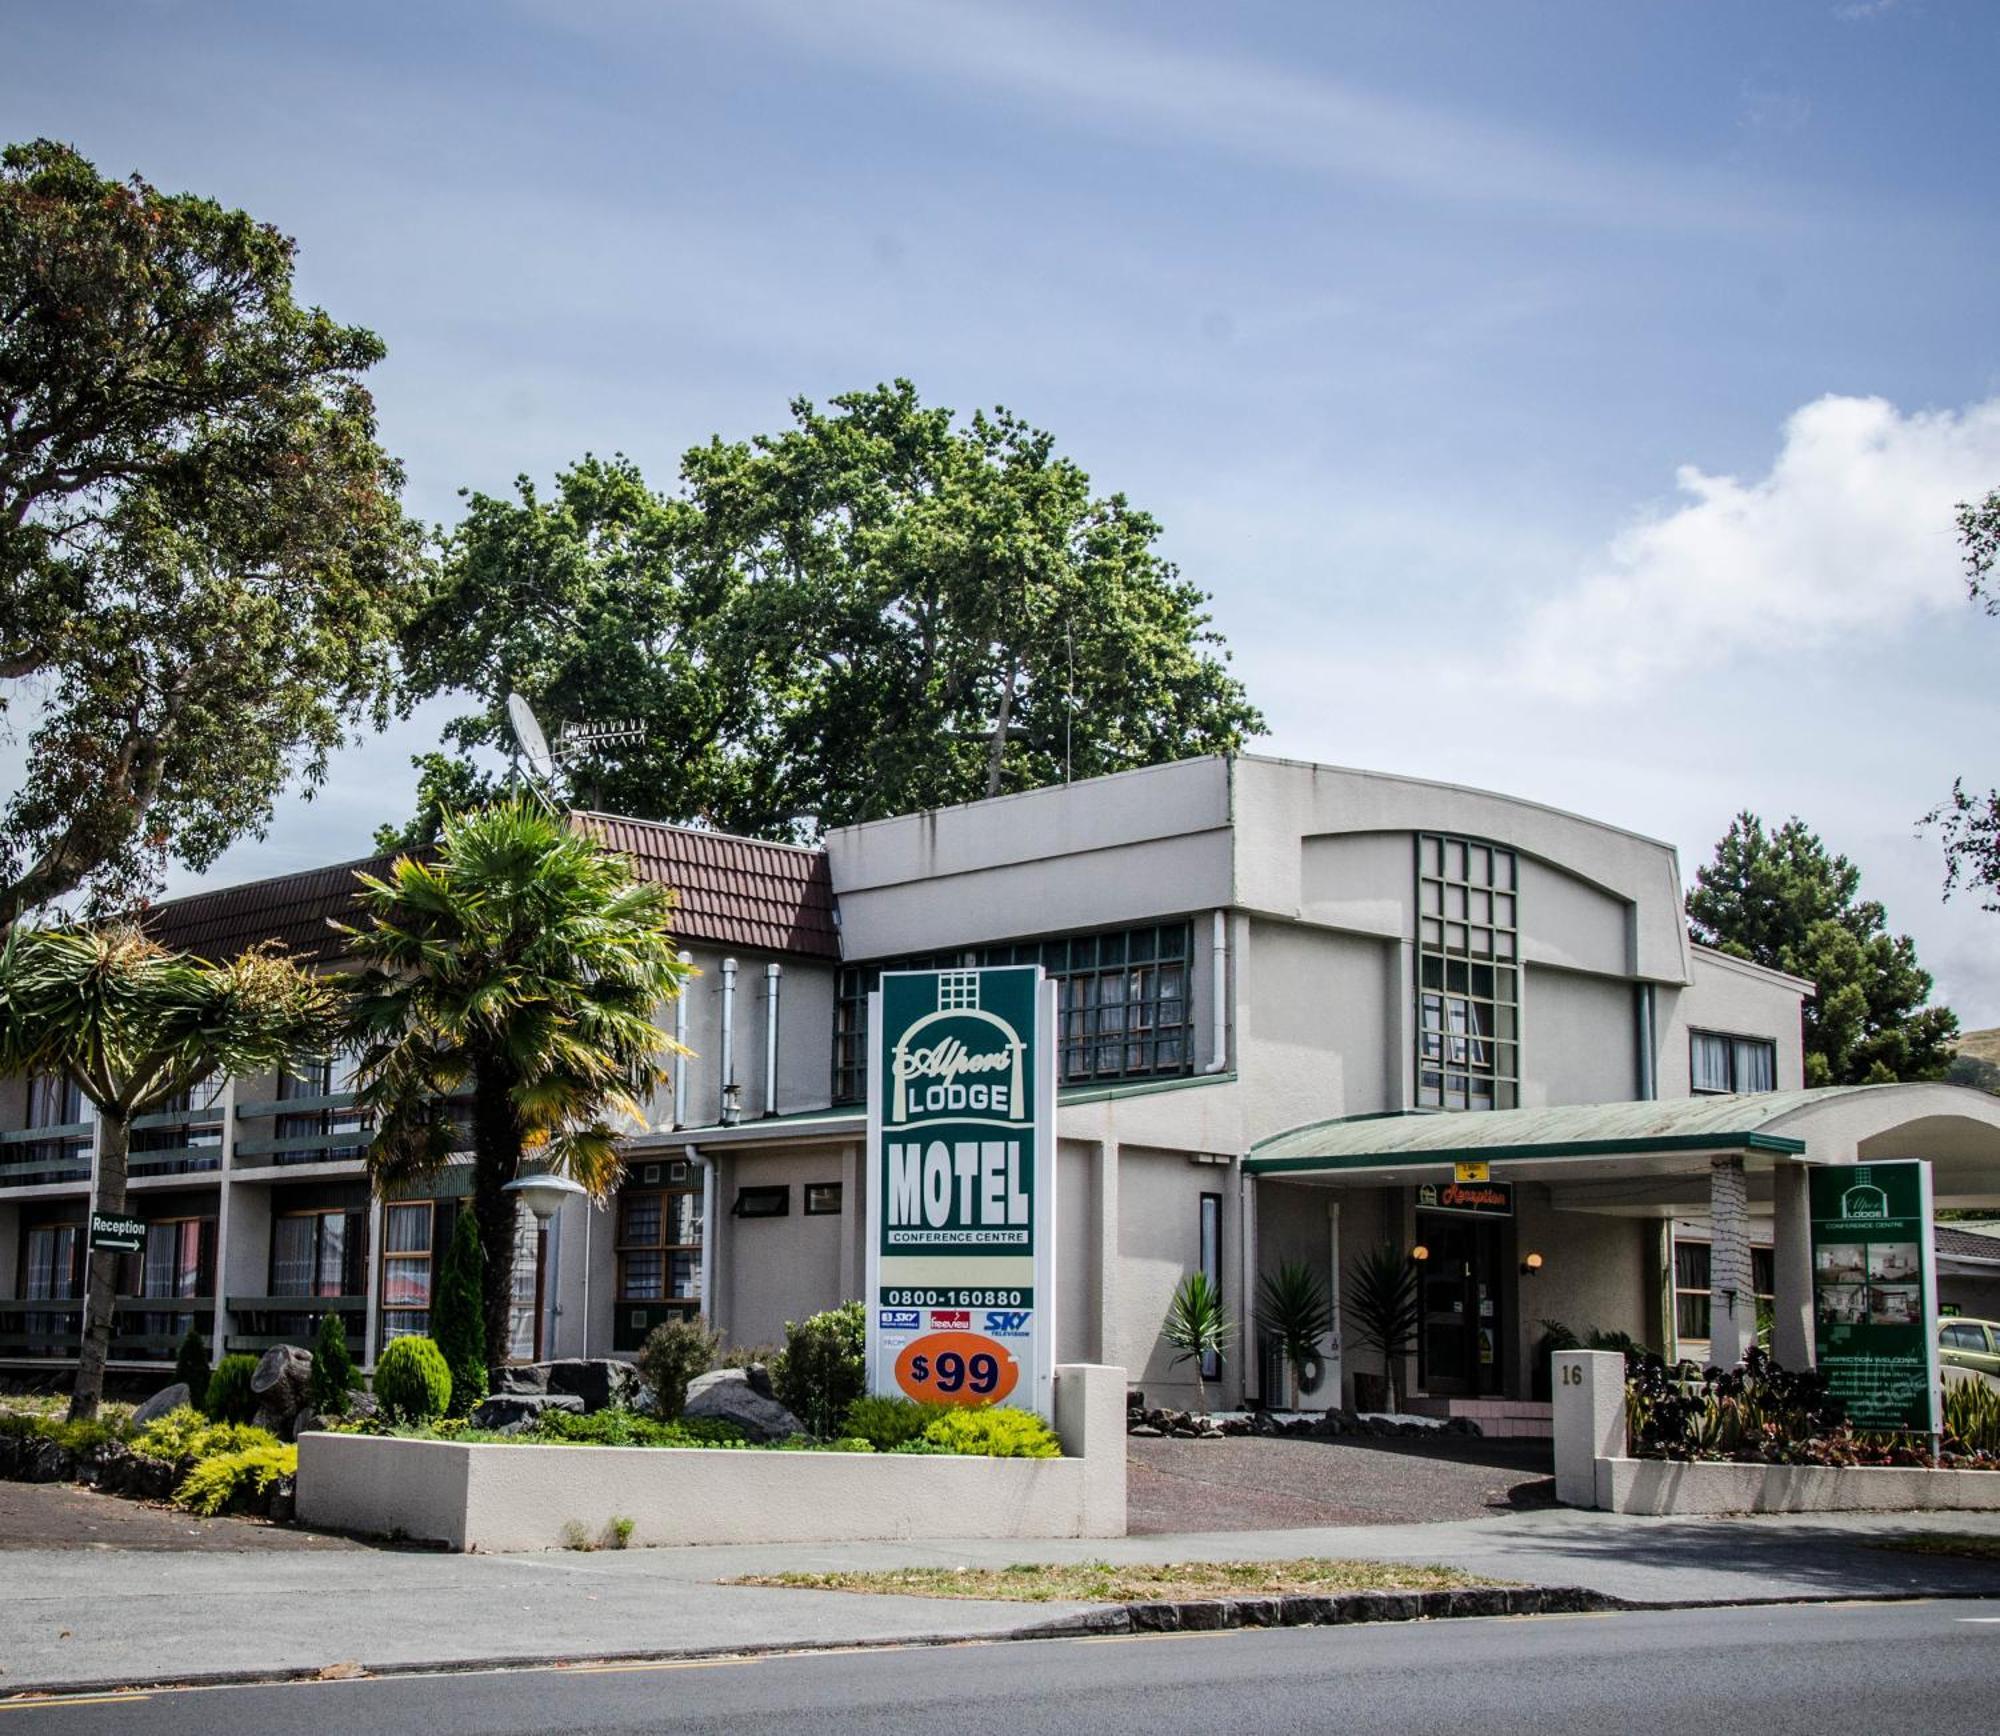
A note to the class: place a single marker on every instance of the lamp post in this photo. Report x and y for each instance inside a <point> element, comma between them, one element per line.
<point>544,1194</point>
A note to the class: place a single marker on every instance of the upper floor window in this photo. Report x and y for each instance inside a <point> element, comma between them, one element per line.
<point>1123,1007</point>
<point>1719,1062</point>
<point>55,1100</point>
<point>1468,975</point>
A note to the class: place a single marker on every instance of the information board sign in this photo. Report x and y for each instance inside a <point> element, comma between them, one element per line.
<point>961,1186</point>
<point>118,1234</point>
<point>1875,1292</point>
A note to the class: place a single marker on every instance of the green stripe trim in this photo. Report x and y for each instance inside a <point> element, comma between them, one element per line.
<point>1069,1096</point>
<point>1437,1158</point>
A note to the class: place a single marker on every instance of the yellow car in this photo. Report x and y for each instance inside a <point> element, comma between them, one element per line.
<point>1969,1350</point>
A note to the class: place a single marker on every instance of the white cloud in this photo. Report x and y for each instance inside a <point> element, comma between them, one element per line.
<point>1852,532</point>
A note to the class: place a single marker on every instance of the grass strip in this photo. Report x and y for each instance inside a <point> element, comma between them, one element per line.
<point>1104,1582</point>
<point>1966,1545</point>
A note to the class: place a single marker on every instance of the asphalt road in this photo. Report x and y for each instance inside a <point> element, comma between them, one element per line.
<point>1928,1667</point>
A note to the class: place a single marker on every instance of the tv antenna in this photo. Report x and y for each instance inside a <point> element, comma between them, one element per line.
<point>574,739</point>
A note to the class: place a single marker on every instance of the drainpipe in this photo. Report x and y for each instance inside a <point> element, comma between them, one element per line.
<point>773,974</point>
<point>1649,1084</point>
<point>727,1115</point>
<point>710,1182</point>
<point>680,1053</point>
<point>1218,1016</point>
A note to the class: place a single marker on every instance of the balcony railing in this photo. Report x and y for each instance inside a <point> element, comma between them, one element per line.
<point>32,1155</point>
<point>144,1328</point>
<point>176,1142</point>
<point>320,1129</point>
<point>262,1322</point>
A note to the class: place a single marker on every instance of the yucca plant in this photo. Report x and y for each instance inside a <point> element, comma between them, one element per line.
<point>1382,1308</point>
<point>1972,1416</point>
<point>1197,1328</point>
<point>1295,1310</point>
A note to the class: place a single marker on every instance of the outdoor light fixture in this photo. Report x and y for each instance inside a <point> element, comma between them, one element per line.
<point>1531,1265</point>
<point>1420,1252</point>
<point>544,1194</point>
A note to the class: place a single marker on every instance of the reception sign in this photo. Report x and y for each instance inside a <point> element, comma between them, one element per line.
<point>961,1186</point>
<point>1875,1292</point>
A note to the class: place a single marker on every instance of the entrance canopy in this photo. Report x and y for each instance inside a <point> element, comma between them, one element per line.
<point>1654,1156</point>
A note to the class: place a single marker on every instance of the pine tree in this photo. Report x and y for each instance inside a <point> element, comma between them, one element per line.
<point>191,1367</point>
<point>457,1324</point>
<point>1781,899</point>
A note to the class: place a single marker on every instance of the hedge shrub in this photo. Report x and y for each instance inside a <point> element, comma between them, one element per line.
<point>226,1480</point>
<point>887,1422</point>
<point>623,1428</point>
<point>676,1352</point>
<point>996,1431</point>
<point>187,1434</point>
<point>821,1369</point>
<point>458,1320</point>
<point>412,1380</point>
<point>333,1376</point>
<point>229,1398</point>
<point>191,1366</point>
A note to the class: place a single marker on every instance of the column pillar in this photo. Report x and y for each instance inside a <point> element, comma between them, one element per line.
<point>1732,1308</point>
<point>1792,1306</point>
<point>1105,1252</point>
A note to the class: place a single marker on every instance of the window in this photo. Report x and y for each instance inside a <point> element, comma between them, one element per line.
<point>1963,1338</point>
<point>414,1232</point>
<point>1693,1263</point>
<point>199,1135</point>
<point>1210,1254</point>
<point>178,1261</point>
<point>55,1101</point>
<point>319,1253</point>
<point>1468,975</point>
<point>763,1202</point>
<point>1719,1062</point>
<point>313,1082</point>
<point>1122,1000</point>
<point>53,1272</point>
<point>659,1239</point>
<point>822,1199</point>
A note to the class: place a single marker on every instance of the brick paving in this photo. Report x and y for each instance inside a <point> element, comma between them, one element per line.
<point>1250,1483</point>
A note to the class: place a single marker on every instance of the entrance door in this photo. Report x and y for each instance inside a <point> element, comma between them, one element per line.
<point>1458,1348</point>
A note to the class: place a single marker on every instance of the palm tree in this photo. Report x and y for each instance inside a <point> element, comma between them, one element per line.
<point>134,1025</point>
<point>523,961</point>
<point>1382,1308</point>
<point>1196,1327</point>
<point>1295,1308</point>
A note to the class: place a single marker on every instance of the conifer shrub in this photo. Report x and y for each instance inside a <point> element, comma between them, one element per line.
<point>333,1376</point>
<point>225,1480</point>
<point>676,1352</point>
<point>229,1398</point>
<point>821,1370</point>
<point>458,1322</point>
<point>413,1381</point>
<point>191,1366</point>
<point>887,1422</point>
<point>996,1431</point>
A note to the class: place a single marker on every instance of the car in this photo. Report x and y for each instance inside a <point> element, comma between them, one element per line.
<point>1969,1350</point>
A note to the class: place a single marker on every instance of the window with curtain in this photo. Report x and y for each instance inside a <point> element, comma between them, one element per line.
<point>319,1253</point>
<point>414,1233</point>
<point>53,1272</point>
<point>659,1241</point>
<point>1720,1062</point>
<point>1693,1292</point>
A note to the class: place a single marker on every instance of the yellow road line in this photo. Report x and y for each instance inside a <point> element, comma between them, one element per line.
<point>42,1705</point>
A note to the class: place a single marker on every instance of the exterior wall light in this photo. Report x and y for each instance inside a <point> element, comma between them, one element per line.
<point>1420,1253</point>
<point>1531,1266</point>
<point>543,1194</point>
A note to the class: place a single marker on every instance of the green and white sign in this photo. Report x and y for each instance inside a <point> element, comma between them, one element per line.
<point>1875,1292</point>
<point>117,1233</point>
<point>961,1190</point>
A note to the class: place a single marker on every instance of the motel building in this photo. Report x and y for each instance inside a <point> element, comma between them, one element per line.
<point>1293,999</point>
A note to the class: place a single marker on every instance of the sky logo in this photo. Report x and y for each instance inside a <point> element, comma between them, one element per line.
<point>903,1317</point>
<point>1008,1323</point>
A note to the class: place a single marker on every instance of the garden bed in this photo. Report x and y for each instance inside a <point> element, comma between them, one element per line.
<point>1698,1486</point>
<point>513,1495</point>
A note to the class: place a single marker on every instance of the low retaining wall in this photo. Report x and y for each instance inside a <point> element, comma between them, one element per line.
<point>1702,1486</point>
<point>1593,1471</point>
<point>494,1497</point>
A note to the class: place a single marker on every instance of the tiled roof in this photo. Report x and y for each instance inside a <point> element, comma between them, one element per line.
<point>733,891</point>
<point>1965,1244</point>
<point>293,910</point>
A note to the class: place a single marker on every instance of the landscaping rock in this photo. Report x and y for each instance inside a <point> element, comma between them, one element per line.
<point>281,1382</point>
<point>602,1383</point>
<point>524,1377</point>
<point>120,1471</point>
<point>46,1462</point>
<point>514,1413</point>
<point>730,1395</point>
<point>283,1503</point>
<point>168,1398</point>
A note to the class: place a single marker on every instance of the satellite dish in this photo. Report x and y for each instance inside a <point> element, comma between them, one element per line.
<point>528,734</point>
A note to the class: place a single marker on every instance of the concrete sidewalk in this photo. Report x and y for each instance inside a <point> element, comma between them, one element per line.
<point>101,1616</point>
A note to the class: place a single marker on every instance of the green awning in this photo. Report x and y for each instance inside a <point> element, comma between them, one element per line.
<point>1690,1124</point>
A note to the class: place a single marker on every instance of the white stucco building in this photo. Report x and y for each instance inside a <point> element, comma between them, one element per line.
<point>1293,997</point>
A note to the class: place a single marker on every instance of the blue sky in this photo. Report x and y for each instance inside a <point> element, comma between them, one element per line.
<point>1563,398</point>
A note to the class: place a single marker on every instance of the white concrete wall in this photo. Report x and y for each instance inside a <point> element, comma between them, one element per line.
<point>1731,996</point>
<point>493,1497</point>
<point>1159,1243</point>
<point>1580,1039</point>
<point>805,1039</point>
<point>1597,1271</point>
<point>1321,1026</point>
<point>779,1269</point>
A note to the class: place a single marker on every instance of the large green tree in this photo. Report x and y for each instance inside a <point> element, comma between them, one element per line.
<point>1969,819</point>
<point>135,1025</point>
<point>1783,900</point>
<point>879,609</point>
<point>522,962</point>
<point>204,567</point>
